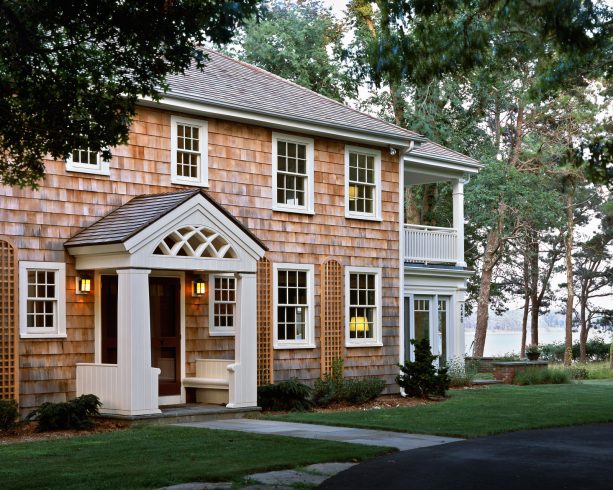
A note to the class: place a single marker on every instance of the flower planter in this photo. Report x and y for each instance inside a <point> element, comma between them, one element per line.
<point>533,356</point>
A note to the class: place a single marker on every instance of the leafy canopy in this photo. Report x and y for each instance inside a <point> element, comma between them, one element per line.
<point>71,72</point>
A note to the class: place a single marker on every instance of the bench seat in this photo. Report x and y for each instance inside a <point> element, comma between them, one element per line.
<point>212,380</point>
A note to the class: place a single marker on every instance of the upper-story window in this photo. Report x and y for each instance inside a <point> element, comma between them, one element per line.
<point>292,176</point>
<point>189,151</point>
<point>362,183</point>
<point>222,305</point>
<point>42,299</point>
<point>88,162</point>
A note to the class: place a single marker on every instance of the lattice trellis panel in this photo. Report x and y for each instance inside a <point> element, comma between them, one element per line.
<point>331,314</point>
<point>8,322</point>
<point>264,304</point>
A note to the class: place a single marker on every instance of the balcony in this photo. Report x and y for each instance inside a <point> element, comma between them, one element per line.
<point>431,245</point>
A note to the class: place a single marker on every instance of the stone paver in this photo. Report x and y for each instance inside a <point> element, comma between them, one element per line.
<point>288,478</point>
<point>368,437</point>
<point>328,469</point>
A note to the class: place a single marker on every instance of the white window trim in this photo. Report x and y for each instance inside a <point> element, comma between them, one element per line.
<point>309,208</point>
<point>376,216</point>
<point>309,340</point>
<point>377,340</point>
<point>220,331</point>
<point>102,168</point>
<point>60,269</point>
<point>203,180</point>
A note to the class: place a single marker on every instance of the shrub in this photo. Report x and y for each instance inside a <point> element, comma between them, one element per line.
<point>73,414</point>
<point>535,376</point>
<point>285,395</point>
<point>578,373</point>
<point>509,356</point>
<point>461,373</point>
<point>8,414</point>
<point>597,350</point>
<point>420,377</point>
<point>335,388</point>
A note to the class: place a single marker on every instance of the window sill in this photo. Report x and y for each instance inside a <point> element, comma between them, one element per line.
<point>363,217</point>
<point>191,183</point>
<point>293,346</point>
<point>229,333</point>
<point>363,344</point>
<point>42,336</point>
<point>293,210</point>
<point>90,171</point>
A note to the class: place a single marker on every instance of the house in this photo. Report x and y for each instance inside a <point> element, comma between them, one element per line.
<point>249,232</point>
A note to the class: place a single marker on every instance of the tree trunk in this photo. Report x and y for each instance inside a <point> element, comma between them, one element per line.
<point>570,293</point>
<point>524,320</point>
<point>519,133</point>
<point>397,103</point>
<point>411,213</point>
<point>497,126</point>
<point>489,261</point>
<point>534,287</point>
<point>428,201</point>
<point>583,333</point>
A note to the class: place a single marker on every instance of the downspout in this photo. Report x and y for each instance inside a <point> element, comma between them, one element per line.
<point>403,153</point>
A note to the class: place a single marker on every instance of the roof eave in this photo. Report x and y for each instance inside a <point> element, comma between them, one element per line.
<point>458,164</point>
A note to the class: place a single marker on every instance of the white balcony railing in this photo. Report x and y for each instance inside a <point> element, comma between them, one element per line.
<point>430,244</point>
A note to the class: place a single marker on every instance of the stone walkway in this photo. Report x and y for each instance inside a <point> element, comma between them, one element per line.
<point>399,440</point>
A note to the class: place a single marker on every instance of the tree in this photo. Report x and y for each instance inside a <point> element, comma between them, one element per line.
<point>301,42</point>
<point>71,72</point>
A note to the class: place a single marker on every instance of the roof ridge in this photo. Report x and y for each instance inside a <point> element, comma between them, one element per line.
<point>277,77</point>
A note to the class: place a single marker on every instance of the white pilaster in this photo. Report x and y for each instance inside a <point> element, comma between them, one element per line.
<point>458,220</point>
<point>137,380</point>
<point>243,373</point>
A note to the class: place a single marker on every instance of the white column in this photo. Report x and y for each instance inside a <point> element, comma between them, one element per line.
<point>458,220</point>
<point>137,380</point>
<point>243,373</point>
<point>458,343</point>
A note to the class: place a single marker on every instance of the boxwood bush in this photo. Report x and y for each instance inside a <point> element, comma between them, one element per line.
<point>289,395</point>
<point>334,388</point>
<point>9,414</point>
<point>74,414</point>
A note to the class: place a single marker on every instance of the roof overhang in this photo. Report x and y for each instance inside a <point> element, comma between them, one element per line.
<point>193,106</point>
<point>422,170</point>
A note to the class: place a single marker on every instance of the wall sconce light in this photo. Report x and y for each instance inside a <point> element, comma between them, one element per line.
<point>198,286</point>
<point>84,284</point>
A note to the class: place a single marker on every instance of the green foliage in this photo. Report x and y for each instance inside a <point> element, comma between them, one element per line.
<point>285,395</point>
<point>596,349</point>
<point>535,376</point>
<point>301,42</point>
<point>533,349</point>
<point>461,373</point>
<point>509,356</point>
<point>578,372</point>
<point>334,388</point>
<point>420,378</point>
<point>74,414</point>
<point>9,413</point>
<point>72,71</point>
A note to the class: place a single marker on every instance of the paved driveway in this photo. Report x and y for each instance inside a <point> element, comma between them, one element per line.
<point>568,458</point>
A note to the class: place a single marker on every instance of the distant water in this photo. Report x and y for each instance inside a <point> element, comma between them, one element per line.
<point>499,342</point>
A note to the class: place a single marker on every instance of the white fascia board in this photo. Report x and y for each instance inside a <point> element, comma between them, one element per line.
<point>431,271</point>
<point>200,109</point>
<point>111,248</point>
<point>443,164</point>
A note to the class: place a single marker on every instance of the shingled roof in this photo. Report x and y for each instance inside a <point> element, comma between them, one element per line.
<point>233,84</point>
<point>140,212</point>
<point>430,149</point>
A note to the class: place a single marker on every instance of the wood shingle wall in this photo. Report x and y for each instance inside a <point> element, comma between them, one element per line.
<point>240,178</point>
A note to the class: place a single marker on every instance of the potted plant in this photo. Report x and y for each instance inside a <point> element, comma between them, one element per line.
<point>533,352</point>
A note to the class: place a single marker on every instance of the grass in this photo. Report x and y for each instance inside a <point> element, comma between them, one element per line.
<point>153,457</point>
<point>599,370</point>
<point>484,411</point>
<point>535,376</point>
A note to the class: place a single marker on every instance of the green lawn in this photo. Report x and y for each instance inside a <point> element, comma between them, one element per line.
<point>484,411</point>
<point>152,457</point>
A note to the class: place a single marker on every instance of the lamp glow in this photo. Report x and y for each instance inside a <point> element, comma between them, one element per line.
<point>84,285</point>
<point>359,324</point>
<point>198,287</point>
<point>353,192</point>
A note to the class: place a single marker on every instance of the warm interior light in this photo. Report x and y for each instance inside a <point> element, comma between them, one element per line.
<point>359,324</point>
<point>198,287</point>
<point>84,285</point>
<point>353,192</point>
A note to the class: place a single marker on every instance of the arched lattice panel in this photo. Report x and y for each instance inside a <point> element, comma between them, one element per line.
<point>331,335</point>
<point>8,322</point>
<point>264,325</point>
<point>195,241</point>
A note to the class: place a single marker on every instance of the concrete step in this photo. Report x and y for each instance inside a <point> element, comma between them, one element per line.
<point>185,414</point>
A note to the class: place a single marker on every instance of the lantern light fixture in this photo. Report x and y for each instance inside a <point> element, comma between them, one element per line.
<point>198,286</point>
<point>83,284</point>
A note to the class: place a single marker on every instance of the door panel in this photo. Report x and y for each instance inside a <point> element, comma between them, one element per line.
<point>164,303</point>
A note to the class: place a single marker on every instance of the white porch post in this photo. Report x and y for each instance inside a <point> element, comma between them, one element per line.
<point>137,380</point>
<point>458,220</point>
<point>458,348</point>
<point>243,373</point>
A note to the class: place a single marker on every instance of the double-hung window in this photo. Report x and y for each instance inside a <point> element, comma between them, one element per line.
<point>88,162</point>
<point>189,151</point>
<point>293,306</point>
<point>222,305</point>
<point>292,161</point>
<point>362,183</point>
<point>42,300</point>
<point>363,307</point>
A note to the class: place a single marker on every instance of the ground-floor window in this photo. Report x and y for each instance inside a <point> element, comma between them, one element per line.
<point>362,306</point>
<point>42,292</point>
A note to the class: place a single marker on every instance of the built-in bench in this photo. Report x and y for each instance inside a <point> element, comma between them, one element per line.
<point>212,381</point>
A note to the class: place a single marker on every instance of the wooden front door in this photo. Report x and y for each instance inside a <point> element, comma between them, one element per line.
<point>164,304</point>
<point>108,319</point>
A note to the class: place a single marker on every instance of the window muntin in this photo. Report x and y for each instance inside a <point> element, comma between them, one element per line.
<point>189,146</point>
<point>87,161</point>
<point>293,189</point>
<point>293,306</point>
<point>222,305</point>
<point>362,183</point>
<point>363,307</point>
<point>42,299</point>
